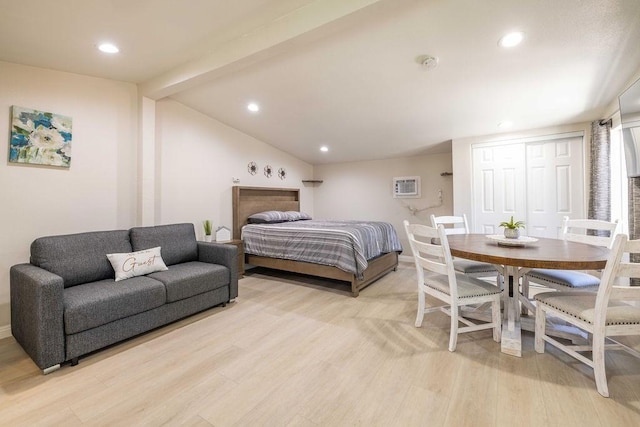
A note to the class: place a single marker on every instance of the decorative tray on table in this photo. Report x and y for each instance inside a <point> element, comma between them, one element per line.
<point>504,241</point>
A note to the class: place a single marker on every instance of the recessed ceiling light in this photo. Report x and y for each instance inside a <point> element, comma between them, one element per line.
<point>324,148</point>
<point>511,39</point>
<point>253,107</point>
<point>505,124</point>
<point>108,48</point>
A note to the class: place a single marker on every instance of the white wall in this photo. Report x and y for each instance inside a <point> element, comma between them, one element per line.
<point>363,190</point>
<point>463,167</point>
<point>97,192</point>
<point>196,160</point>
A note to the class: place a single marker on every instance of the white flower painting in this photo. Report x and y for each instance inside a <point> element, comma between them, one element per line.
<point>40,138</point>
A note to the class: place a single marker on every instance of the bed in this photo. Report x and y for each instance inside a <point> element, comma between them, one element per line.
<point>251,200</point>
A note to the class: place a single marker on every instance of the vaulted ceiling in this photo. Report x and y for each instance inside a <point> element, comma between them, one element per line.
<point>346,74</point>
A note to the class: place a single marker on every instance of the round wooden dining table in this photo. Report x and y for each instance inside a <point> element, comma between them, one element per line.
<point>515,261</point>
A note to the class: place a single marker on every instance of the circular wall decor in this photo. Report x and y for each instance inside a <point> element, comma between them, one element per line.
<point>252,168</point>
<point>282,174</point>
<point>268,171</point>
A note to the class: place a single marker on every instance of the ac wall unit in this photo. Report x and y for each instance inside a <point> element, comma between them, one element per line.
<point>406,186</point>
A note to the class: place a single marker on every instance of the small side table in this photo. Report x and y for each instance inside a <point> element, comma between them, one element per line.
<point>240,245</point>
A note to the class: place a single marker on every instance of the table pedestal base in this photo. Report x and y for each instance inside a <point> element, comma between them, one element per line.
<point>511,342</point>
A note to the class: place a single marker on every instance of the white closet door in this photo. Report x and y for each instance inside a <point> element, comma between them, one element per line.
<point>554,185</point>
<point>498,186</point>
<point>537,182</point>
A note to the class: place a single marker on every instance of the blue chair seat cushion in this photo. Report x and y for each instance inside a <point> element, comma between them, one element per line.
<point>192,278</point>
<point>568,278</point>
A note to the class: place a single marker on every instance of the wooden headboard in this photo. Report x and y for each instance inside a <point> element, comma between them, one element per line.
<point>250,200</point>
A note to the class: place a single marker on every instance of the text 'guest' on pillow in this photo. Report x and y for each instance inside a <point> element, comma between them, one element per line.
<point>138,263</point>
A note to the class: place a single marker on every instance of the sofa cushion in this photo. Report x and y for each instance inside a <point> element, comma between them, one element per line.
<point>192,278</point>
<point>79,258</point>
<point>98,303</point>
<point>178,241</point>
<point>136,263</point>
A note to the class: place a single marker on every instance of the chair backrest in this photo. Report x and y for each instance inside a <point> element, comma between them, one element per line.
<point>576,230</point>
<point>429,255</point>
<point>617,268</point>
<point>452,224</point>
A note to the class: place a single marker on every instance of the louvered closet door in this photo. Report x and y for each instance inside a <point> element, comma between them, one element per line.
<point>498,186</point>
<point>555,186</point>
<point>537,182</point>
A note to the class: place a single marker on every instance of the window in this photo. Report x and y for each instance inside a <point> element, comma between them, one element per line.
<point>619,182</point>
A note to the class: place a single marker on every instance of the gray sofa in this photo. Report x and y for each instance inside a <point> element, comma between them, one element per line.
<point>65,303</point>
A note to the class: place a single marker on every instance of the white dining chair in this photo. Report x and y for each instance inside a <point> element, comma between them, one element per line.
<point>459,225</point>
<point>574,230</point>
<point>437,277</point>
<point>601,314</point>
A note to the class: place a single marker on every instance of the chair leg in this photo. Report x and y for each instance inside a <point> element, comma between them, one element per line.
<point>421,303</point>
<point>453,334</point>
<point>496,319</point>
<point>525,292</point>
<point>540,328</point>
<point>598,364</point>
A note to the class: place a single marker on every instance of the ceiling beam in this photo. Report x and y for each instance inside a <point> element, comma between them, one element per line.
<point>308,23</point>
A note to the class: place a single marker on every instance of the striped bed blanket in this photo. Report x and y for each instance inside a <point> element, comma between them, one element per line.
<point>346,245</point>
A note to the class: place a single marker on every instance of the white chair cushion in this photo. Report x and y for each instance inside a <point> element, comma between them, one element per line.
<point>473,267</point>
<point>581,305</point>
<point>570,279</point>
<point>468,287</point>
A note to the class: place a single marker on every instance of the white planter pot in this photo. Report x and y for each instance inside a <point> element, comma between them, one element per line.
<point>510,233</point>
<point>207,237</point>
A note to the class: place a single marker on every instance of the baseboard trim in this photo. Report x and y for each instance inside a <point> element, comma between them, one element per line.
<point>5,331</point>
<point>405,258</point>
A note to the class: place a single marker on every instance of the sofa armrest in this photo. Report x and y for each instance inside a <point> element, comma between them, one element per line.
<point>37,310</point>
<point>227,255</point>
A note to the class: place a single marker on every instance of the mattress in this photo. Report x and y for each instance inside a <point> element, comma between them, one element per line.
<point>347,245</point>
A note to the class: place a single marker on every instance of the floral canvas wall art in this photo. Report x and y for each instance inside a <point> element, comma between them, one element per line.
<point>40,138</point>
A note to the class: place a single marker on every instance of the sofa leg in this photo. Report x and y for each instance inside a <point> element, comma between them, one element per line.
<point>224,304</point>
<point>50,369</point>
<point>74,361</point>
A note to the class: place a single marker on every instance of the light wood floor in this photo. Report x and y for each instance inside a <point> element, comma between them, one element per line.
<point>295,353</point>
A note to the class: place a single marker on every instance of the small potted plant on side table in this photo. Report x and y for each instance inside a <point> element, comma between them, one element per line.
<point>511,228</point>
<point>207,230</point>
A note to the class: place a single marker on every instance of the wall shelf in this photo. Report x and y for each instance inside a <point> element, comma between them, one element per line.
<point>312,181</point>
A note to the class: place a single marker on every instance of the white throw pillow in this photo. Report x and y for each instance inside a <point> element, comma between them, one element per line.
<point>136,263</point>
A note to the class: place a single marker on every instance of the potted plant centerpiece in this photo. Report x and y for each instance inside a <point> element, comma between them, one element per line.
<point>511,228</point>
<point>207,230</point>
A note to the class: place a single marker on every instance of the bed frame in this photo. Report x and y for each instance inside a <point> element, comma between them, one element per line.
<point>250,200</point>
